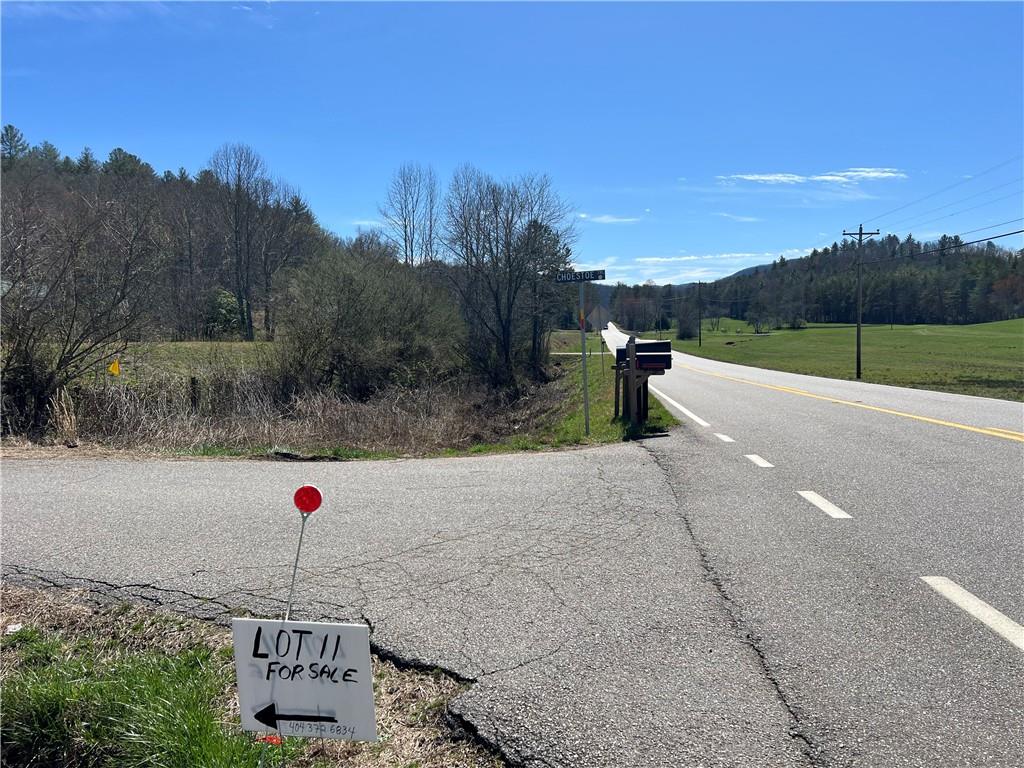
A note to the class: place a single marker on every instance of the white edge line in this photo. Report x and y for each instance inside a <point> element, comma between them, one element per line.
<point>824,505</point>
<point>758,460</point>
<point>724,438</point>
<point>678,407</point>
<point>998,622</point>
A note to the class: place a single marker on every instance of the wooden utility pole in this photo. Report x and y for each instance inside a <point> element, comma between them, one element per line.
<point>859,234</point>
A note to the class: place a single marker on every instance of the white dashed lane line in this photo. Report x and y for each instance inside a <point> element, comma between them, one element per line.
<point>758,460</point>
<point>824,504</point>
<point>724,438</point>
<point>998,622</point>
<point>690,414</point>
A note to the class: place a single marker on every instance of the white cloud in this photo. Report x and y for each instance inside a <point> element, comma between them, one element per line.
<point>681,269</point>
<point>606,218</point>
<point>789,253</point>
<point>605,263</point>
<point>849,176</point>
<point>367,223</point>
<point>734,217</point>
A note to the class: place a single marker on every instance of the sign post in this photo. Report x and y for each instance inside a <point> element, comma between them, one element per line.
<point>307,679</point>
<point>572,276</point>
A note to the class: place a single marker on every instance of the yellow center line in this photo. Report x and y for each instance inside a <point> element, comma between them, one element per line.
<point>1006,434</point>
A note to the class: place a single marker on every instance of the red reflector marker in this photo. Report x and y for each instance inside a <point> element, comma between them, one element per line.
<point>308,499</point>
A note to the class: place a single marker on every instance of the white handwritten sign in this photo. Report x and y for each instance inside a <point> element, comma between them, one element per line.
<point>305,678</point>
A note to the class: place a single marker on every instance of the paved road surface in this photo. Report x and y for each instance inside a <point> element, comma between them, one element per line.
<point>669,602</point>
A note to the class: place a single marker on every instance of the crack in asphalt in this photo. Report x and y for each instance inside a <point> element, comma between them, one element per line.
<point>798,731</point>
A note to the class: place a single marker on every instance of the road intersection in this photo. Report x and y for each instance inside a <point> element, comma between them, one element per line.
<point>786,580</point>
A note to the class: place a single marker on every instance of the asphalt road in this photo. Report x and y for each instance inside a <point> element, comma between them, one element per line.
<point>669,602</point>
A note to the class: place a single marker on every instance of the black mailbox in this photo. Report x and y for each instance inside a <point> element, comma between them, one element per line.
<point>653,361</point>
<point>650,355</point>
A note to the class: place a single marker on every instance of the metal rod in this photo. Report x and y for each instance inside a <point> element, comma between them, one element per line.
<point>295,568</point>
<point>586,389</point>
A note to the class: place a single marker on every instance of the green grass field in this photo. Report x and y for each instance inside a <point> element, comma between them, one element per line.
<point>185,358</point>
<point>985,359</point>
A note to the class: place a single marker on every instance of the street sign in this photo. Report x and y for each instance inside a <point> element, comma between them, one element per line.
<point>307,679</point>
<point>579,277</point>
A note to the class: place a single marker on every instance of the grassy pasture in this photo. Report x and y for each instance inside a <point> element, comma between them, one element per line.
<point>985,359</point>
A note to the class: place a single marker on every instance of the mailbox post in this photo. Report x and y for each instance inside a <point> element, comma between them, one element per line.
<point>635,363</point>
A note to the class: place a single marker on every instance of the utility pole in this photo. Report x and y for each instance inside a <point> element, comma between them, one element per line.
<point>700,315</point>
<point>859,234</point>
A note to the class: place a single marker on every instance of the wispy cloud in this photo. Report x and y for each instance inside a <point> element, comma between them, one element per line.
<point>665,259</point>
<point>849,176</point>
<point>606,218</point>
<point>79,12</point>
<point>789,253</point>
<point>367,223</point>
<point>734,217</point>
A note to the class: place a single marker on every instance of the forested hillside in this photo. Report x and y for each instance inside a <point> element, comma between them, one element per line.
<point>904,281</point>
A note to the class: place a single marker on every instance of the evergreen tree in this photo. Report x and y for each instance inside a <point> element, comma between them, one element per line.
<point>13,144</point>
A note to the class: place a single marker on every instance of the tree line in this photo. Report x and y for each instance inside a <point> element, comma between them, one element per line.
<point>905,281</point>
<point>97,254</point>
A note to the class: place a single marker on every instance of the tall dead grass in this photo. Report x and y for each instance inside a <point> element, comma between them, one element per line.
<point>241,410</point>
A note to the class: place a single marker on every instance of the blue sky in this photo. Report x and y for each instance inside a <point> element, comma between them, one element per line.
<point>692,140</point>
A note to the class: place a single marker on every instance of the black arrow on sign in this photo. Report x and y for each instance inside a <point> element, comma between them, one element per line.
<point>270,717</point>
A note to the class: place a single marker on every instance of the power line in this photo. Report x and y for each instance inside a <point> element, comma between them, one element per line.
<point>895,255</point>
<point>992,226</point>
<point>965,210</point>
<point>946,189</point>
<point>955,202</point>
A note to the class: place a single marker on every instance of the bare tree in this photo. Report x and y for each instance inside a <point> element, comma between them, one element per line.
<point>491,229</point>
<point>288,233</point>
<point>79,264</point>
<point>244,198</point>
<point>410,213</point>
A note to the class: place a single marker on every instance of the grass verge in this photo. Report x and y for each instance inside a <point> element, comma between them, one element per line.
<point>119,685</point>
<point>566,425</point>
<point>985,359</point>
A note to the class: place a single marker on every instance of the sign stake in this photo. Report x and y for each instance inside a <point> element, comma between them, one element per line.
<point>307,499</point>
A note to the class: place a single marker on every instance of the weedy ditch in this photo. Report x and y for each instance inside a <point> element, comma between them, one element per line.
<point>225,411</point>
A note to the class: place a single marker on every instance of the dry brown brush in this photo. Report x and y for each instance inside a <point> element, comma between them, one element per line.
<point>240,410</point>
